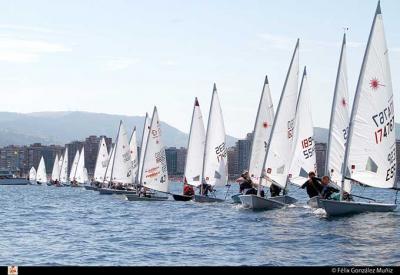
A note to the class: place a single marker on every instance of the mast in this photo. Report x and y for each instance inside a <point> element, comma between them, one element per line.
<point>141,148</point>
<point>196,103</point>
<point>328,149</point>
<point>147,141</point>
<point>115,148</point>
<point>356,101</point>
<point>278,111</point>
<point>254,130</point>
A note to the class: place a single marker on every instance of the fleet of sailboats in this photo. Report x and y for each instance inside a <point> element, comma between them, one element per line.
<point>361,145</point>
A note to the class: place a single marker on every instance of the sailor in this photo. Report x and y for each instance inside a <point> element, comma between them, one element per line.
<point>275,190</point>
<point>187,189</point>
<point>205,188</point>
<point>246,184</point>
<point>327,190</point>
<point>314,188</point>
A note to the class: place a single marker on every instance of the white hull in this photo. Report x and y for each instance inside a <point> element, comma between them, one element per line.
<point>134,197</point>
<point>258,203</point>
<point>199,198</point>
<point>284,199</point>
<point>314,202</point>
<point>341,208</point>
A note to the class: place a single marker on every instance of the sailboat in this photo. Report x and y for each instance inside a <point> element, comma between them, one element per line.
<point>338,128</point>
<point>80,170</point>
<point>41,176</point>
<point>64,169</point>
<point>215,154</point>
<point>154,173</point>
<point>195,151</point>
<point>55,174</point>
<point>261,134</point>
<point>60,163</point>
<point>32,175</point>
<point>120,165</point>
<point>371,146</point>
<point>134,154</point>
<point>72,173</point>
<point>145,133</point>
<point>278,154</point>
<point>303,155</point>
<point>101,165</point>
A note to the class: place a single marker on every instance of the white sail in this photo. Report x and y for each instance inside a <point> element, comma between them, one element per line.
<point>303,156</point>
<point>32,174</point>
<point>79,173</point>
<point>41,175</point>
<point>121,171</point>
<point>60,163</point>
<point>215,145</point>
<point>64,167</point>
<point>154,171</point>
<point>72,173</point>
<point>107,177</point>
<point>85,176</point>
<point>371,145</point>
<point>195,149</point>
<point>134,155</point>
<point>101,161</point>
<point>261,134</point>
<point>55,174</point>
<point>339,124</point>
<point>279,149</point>
<point>145,133</point>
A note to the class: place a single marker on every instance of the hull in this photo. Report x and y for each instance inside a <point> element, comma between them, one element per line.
<point>93,188</point>
<point>284,199</point>
<point>314,202</point>
<point>14,181</point>
<point>258,203</point>
<point>342,208</point>
<point>182,197</point>
<point>134,197</point>
<point>105,191</point>
<point>199,198</point>
<point>236,199</point>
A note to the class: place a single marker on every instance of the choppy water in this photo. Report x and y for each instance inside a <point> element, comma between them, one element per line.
<point>73,226</point>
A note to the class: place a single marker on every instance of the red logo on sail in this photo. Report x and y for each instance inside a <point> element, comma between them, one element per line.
<point>344,102</point>
<point>265,124</point>
<point>374,84</point>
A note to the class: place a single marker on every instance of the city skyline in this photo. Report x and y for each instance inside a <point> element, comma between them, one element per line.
<point>120,60</point>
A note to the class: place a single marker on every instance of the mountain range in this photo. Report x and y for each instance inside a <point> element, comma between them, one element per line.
<point>63,127</point>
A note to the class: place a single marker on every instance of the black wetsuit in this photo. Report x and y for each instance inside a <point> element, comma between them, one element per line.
<point>314,188</point>
<point>275,190</point>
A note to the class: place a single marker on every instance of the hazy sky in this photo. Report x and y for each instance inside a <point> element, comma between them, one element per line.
<point>123,57</point>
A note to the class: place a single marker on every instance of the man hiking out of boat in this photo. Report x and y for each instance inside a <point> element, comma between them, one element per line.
<point>205,188</point>
<point>187,189</point>
<point>327,190</point>
<point>246,184</point>
<point>275,190</point>
<point>312,185</point>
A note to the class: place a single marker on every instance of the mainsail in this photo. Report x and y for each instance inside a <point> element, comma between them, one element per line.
<point>279,149</point>
<point>145,133</point>
<point>371,145</point>
<point>339,124</point>
<point>41,175</point>
<point>303,155</point>
<point>55,174</point>
<point>121,170</point>
<point>261,134</point>
<point>215,145</point>
<point>195,149</point>
<point>154,170</point>
<point>134,155</point>
<point>80,168</point>
<point>101,161</point>
<point>72,173</point>
<point>64,168</point>
<point>110,164</point>
<point>32,174</point>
